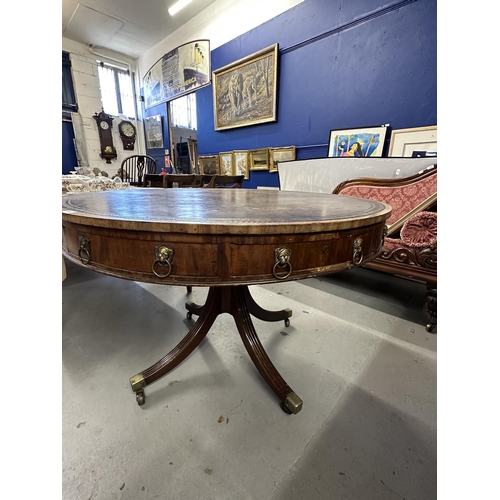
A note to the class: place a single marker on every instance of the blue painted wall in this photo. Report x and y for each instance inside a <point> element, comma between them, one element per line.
<point>159,153</point>
<point>342,64</point>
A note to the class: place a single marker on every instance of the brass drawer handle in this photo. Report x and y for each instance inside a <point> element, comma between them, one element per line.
<point>282,259</point>
<point>84,249</point>
<point>357,252</point>
<point>163,257</point>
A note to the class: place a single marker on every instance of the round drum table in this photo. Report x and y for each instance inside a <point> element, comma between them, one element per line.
<point>225,239</point>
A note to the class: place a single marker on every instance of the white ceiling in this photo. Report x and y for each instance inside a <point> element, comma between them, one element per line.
<point>127,26</point>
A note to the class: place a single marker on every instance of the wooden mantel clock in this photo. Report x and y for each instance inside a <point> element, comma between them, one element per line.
<point>104,125</point>
<point>127,134</point>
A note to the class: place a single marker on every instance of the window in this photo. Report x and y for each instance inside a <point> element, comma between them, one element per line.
<point>183,112</point>
<point>68,92</point>
<point>117,90</point>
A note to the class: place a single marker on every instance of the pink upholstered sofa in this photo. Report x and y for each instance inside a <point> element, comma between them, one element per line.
<point>410,247</point>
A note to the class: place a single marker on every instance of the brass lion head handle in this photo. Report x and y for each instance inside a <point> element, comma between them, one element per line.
<point>163,258</point>
<point>84,250</point>
<point>357,251</point>
<point>282,259</point>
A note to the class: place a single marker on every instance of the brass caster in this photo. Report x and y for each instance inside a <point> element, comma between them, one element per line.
<point>292,404</point>
<point>140,397</point>
<point>287,323</point>
<point>429,327</point>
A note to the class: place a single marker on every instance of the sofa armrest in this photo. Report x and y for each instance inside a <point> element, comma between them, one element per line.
<point>420,230</point>
<point>407,196</point>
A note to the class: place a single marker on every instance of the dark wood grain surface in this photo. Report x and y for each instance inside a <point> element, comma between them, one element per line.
<point>238,211</point>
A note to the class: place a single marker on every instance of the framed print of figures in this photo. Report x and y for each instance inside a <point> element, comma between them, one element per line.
<point>357,142</point>
<point>226,163</point>
<point>414,142</point>
<point>240,163</point>
<point>244,92</point>
<point>259,159</point>
<point>209,165</point>
<point>280,155</point>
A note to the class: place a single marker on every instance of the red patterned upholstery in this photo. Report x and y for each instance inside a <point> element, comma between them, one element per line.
<point>402,199</point>
<point>413,252</point>
<point>420,230</point>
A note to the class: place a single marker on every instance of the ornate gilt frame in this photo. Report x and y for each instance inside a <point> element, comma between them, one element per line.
<point>245,91</point>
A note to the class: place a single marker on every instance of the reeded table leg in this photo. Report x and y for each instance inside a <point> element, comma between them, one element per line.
<point>290,402</point>
<point>237,301</point>
<point>264,314</point>
<point>180,352</point>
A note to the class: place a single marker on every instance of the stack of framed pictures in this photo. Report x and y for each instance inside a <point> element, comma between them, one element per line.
<point>368,142</point>
<point>240,162</point>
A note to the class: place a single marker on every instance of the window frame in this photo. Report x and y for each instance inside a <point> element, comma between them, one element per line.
<point>69,103</point>
<point>118,95</point>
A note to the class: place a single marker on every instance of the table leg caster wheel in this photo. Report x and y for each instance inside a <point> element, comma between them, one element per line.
<point>285,409</point>
<point>430,327</point>
<point>140,397</point>
<point>189,315</point>
<point>287,323</point>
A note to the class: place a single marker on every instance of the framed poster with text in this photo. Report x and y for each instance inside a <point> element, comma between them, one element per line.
<point>179,72</point>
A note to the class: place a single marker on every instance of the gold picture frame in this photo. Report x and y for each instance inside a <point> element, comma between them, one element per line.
<point>226,166</point>
<point>259,159</point>
<point>412,142</point>
<point>276,155</point>
<point>209,164</point>
<point>245,91</point>
<point>241,163</point>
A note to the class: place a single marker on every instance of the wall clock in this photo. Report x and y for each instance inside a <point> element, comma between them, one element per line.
<point>128,134</point>
<point>104,126</point>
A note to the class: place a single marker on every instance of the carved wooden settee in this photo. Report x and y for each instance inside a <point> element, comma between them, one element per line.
<point>410,247</point>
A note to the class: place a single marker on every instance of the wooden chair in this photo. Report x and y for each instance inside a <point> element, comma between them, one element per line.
<point>226,181</point>
<point>181,180</point>
<point>133,169</point>
<point>203,180</point>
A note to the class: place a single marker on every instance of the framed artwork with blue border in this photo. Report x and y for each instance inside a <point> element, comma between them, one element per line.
<point>367,142</point>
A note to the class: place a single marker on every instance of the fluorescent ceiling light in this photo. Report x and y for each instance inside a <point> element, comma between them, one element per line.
<point>178,6</point>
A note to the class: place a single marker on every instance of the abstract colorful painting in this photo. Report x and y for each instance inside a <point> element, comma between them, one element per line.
<point>358,142</point>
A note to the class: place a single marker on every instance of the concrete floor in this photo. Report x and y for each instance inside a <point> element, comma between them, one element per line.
<point>356,352</point>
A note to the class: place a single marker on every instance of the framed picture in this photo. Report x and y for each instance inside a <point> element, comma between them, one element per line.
<point>226,163</point>
<point>154,132</point>
<point>279,155</point>
<point>357,142</point>
<point>182,70</point>
<point>209,165</point>
<point>240,163</point>
<point>244,91</point>
<point>259,159</point>
<point>414,142</point>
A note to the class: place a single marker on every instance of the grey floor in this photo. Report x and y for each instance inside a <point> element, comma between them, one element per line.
<point>356,351</point>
